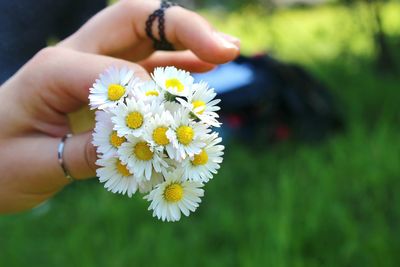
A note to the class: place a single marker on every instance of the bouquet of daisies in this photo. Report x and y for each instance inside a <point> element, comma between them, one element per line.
<point>156,137</point>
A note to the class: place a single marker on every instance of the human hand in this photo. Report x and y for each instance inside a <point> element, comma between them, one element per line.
<point>33,118</point>
<point>119,31</point>
<point>56,82</point>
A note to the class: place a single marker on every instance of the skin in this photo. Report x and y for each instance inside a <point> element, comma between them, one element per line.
<point>36,101</point>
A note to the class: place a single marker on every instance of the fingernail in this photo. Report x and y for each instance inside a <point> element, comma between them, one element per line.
<point>227,40</point>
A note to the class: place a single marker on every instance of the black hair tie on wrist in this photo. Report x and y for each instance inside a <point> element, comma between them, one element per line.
<point>163,43</point>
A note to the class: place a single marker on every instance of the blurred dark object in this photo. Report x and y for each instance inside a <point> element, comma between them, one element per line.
<point>26,26</point>
<point>276,101</point>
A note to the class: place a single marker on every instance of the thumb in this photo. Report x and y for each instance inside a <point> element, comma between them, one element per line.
<point>80,156</point>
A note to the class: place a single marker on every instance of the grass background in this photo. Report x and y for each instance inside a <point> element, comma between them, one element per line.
<point>332,204</point>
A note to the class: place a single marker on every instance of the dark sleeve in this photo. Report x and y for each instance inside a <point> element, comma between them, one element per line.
<point>26,25</point>
<point>79,12</point>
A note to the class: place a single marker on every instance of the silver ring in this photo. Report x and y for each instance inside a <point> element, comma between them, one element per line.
<point>60,155</point>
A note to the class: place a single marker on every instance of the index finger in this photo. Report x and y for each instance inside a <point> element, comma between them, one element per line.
<point>121,28</point>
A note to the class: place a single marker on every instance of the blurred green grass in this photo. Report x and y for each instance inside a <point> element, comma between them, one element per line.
<point>332,204</point>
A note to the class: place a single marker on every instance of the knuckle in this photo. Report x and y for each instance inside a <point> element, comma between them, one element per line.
<point>127,5</point>
<point>49,56</point>
<point>141,9</point>
<point>198,19</point>
<point>46,54</point>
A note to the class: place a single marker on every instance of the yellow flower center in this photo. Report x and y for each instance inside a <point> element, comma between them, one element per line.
<point>201,105</point>
<point>173,193</point>
<point>152,93</point>
<point>143,152</point>
<point>115,92</point>
<point>121,168</point>
<point>115,140</point>
<point>134,120</point>
<point>185,135</point>
<point>174,83</point>
<point>200,159</point>
<point>160,137</point>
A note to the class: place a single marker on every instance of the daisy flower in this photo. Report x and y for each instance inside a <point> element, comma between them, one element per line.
<point>175,82</point>
<point>156,137</point>
<point>174,196</point>
<point>111,88</point>
<point>104,137</point>
<point>141,158</point>
<point>202,166</point>
<point>130,118</point>
<point>156,131</point>
<point>116,176</point>
<point>202,104</point>
<point>148,92</point>
<point>185,135</point>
